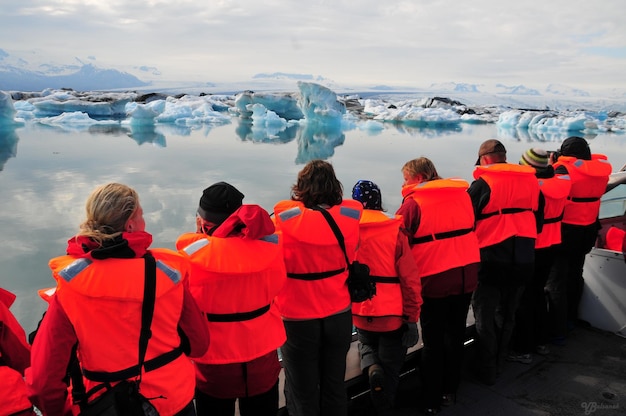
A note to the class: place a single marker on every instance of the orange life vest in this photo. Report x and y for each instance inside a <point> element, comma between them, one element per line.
<point>13,393</point>
<point>234,282</point>
<point>445,238</point>
<point>316,267</point>
<point>555,191</point>
<point>103,300</point>
<point>589,179</point>
<point>377,249</point>
<point>514,197</point>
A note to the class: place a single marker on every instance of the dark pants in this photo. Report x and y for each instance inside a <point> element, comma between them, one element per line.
<point>531,319</point>
<point>385,349</point>
<point>314,359</point>
<point>264,404</point>
<point>443,322</point>
<point>565,284</point>
<point>188,410</point>
<point>494,309</point>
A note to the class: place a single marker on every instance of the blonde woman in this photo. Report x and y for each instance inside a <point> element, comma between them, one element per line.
<point>97,310</point>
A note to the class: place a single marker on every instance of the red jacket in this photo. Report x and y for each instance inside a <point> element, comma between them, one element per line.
<point>14,359</point>
<point>49,364</point>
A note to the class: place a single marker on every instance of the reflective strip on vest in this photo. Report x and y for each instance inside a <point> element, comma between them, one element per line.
<point>172,273</point>
<point>195,246</point>
<point>74,269</point>
<point>350,212</point>
<point>272,238</point>
<point>290,213</point>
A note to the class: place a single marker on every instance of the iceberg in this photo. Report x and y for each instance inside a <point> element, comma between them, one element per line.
<point>270,114</point>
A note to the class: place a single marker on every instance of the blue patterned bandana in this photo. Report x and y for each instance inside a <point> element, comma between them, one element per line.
<point>368,194</point>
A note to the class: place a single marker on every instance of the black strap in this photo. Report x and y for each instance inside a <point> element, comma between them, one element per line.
<point>440,236</point>
<point>335,228</point>
<point>134,371</point>
<point>237,316</point>
<point>385,279</point>
<point>315,275</point>
<point>147,311</point>
<point>553,220</point>
<point>575,199</point>
<point>147,307</point>
<point>502,211</point>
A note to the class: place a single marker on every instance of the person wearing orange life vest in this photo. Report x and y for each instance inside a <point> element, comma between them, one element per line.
<point>439,217</point>
<point>97,307</point>
<point>509,213</point>
<point>315,301</point>
<point>237,270</point>
<point>14,359</point>
<point>589,175</point>
<point>531,323</point>
<point>386,324</point>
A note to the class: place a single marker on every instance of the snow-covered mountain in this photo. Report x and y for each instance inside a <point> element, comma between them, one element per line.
<point>29,73</point>
<point>33,71</point>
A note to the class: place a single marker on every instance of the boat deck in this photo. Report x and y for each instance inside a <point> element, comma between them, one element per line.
<point>585,377</point>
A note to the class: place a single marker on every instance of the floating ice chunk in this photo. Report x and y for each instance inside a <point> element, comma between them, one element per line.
<point>75,118</point>
<point>144,113</point>
<point>319,104</point>
<point>7,111</point>
<point>284,105</point>
<point>262,117</point>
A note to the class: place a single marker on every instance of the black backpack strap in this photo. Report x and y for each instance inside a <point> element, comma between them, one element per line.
<point>145,333</point>
<point>147,307</point>
<point>335,228</point>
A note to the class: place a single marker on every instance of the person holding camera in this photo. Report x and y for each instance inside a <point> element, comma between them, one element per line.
<point>386,324</point>
<point>315,301</point>
<point>589,175</point>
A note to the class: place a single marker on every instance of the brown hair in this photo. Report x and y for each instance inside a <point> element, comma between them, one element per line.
<point>108,209</point>
<point>422,167</point>
<point>317,184</point>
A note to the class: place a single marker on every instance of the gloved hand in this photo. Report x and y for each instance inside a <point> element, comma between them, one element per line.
<point>411,335</point>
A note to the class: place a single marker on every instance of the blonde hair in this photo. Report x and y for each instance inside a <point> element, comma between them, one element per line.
<point>422,167</point>
<point>108,209</point>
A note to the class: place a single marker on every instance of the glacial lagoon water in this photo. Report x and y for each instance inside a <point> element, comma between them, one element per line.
<point>47,174</point>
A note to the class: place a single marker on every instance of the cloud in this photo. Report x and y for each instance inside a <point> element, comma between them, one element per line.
<point>370,42</point>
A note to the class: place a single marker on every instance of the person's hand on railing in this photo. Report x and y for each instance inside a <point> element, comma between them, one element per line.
<point>411,335</point>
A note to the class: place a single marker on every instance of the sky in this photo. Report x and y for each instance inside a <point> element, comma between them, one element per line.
<point>414,43</point>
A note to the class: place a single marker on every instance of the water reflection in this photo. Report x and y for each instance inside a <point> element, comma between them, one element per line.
<point>247,131</point>
<point>146,133</point>
<point>8,144</point>
<point>526,135</point>
<point>44,188</point>
<point>425,130</point>
<point>316,141</point>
